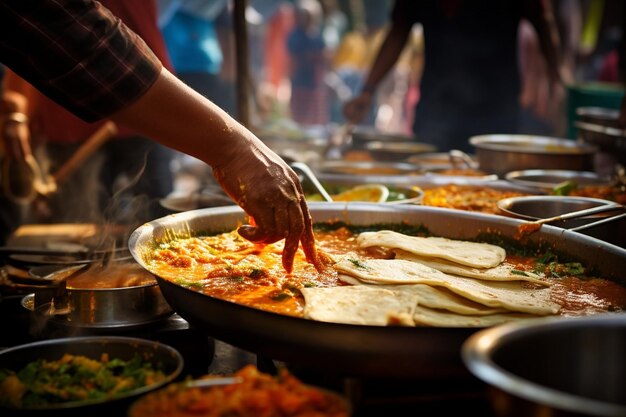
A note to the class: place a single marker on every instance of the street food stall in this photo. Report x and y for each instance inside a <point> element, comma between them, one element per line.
<point>427,258</point>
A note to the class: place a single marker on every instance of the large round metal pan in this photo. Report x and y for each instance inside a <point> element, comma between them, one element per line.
<point>352,350</point>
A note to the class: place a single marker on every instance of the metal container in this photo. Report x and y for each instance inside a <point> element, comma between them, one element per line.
<point>430,353</point>
<point>356,168</point>
<point>499,154</point>
<point>125,348</point>
<point>99,308</point>
<point>548,367</point>
<point>396,151</point>
<point>361,136</point>
<point>548,179</point>
<point>599,127</point>
<point>543,207</point>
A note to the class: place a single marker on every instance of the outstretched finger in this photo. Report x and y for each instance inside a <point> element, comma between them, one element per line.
<point>292,239</point>
<point>308,238</point>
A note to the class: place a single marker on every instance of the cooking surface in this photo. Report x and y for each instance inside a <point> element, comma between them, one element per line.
<point>203,355</point>
<point>447,395</point>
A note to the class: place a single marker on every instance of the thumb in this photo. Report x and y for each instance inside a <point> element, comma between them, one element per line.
<point>251,233</point>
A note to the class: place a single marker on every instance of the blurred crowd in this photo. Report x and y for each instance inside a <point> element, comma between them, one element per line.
<point>311,60</point>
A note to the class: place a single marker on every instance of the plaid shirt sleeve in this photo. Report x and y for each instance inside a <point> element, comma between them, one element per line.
<point>77,53</point>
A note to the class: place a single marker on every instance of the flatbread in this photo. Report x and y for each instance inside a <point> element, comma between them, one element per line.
<point>474,254</point>
<point>425,316</point>
<point>443,299</point>
<point>435,297</point>
<point>359,305</point>
<point>502,272</point>
<point>512,295</point>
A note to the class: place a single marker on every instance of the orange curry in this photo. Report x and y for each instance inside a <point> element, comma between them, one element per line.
<point>231,268</point>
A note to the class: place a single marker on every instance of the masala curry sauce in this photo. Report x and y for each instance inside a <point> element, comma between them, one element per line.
<point>231,268</point>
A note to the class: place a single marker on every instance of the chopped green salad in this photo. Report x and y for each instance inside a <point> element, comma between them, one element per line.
<point>74,378</point>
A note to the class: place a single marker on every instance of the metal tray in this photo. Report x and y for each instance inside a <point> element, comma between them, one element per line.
<point>548,179</point>
<point>353,350</point>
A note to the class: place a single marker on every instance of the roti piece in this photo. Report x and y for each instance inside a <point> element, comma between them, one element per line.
<point>359,305</point>
<point>502,272</point>
<point>512,295</point>
<point>477,255</point>
<point>443,299</point>
<point>431,317</point>
<point>435,297</point>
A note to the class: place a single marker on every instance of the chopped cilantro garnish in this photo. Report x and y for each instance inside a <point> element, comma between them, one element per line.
<point>358,263</point>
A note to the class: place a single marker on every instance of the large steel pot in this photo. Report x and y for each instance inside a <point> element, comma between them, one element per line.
<point>499,154</point>
<point>422,352</point>
<point>98,309</point>
<point>548,367</point>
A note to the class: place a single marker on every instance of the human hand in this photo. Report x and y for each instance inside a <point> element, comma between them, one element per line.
<point>268,190</point>
<point>356,109</point>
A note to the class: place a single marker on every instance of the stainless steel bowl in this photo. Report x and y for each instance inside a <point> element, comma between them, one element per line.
<point>354,168</point>
<point>548,179</point>
<point>98,308</point>
<point>396,151</point>
<point>546,206</point>
<point>125,348</point>
<point>362,135</point>
<point>499,154</point>
<point>599,127</point>
<point>548,367</point>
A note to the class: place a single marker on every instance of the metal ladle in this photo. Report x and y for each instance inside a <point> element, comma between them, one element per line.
<point>53,274</point>
<point>532,226</point>
<point>305,170</point>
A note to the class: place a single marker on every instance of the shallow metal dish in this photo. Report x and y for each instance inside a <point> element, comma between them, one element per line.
<point>547,206</point>
<point>573,367</point>
<point>499,154</point>
<point>599,127</point>
<point>442,160</point>
<point>98,308</point>
<point>125,348</point>
<point>398,194</point>
<point>547,179</point>
<point>422,352</point>
<point>361,136</point>
<point>194,201</point>
<point>396,151</point>
<point>353,168</point>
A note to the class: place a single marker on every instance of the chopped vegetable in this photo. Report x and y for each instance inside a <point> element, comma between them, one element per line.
<point>74,378</point>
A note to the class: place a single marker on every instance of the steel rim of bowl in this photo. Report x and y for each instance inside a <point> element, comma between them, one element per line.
<point>475,354</point>
<point>363,167</point>
<point>566,175</point>
<point>502,142</point>
<point>506,203</point>
<point>103,340</point>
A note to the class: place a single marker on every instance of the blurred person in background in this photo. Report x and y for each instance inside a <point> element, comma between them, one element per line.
<point>98,68</point>
<point>309,63</point>
<point>471,81</point>
<point>190,29</point>
<point>123,180</point>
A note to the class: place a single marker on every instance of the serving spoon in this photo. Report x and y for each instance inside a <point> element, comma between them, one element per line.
<point>308,173</point>
<point>53,274</point>
<point>532,226</point>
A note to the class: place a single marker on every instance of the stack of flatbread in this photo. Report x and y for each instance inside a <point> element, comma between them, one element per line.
<point>431,281</point>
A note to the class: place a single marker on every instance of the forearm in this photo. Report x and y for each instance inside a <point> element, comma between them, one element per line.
<point>387,55</point>
<point>178,117</point>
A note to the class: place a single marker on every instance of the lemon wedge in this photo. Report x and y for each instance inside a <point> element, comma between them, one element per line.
<point>374,193</point>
